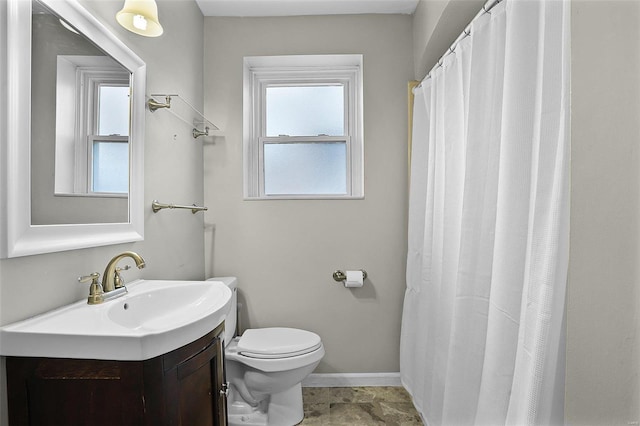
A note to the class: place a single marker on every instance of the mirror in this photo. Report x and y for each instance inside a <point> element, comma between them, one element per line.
<point>75,131</point>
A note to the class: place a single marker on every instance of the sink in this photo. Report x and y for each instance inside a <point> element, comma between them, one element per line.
<point>165,305</point>
<point>153,318</point>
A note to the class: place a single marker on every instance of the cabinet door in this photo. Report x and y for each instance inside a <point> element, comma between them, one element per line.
<point>44,391</point>
<point>193,392</point>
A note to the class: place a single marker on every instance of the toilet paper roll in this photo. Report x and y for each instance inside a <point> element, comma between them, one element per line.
<point>354,279</point>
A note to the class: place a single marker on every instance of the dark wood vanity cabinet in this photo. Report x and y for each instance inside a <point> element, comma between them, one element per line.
<point>184,387</point>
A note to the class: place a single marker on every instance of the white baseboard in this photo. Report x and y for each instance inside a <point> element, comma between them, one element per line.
<point>340,380</point>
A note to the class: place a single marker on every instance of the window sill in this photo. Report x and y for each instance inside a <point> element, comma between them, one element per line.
<point>305,197</point>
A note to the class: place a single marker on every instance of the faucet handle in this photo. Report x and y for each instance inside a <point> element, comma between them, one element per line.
<point>91,277</point>
<point>95,289</point>
<point>117,279</point>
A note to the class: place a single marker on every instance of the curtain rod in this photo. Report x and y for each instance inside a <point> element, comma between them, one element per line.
<point>465,33</point>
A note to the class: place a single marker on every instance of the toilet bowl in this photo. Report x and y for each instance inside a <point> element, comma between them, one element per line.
<point>265,368</point>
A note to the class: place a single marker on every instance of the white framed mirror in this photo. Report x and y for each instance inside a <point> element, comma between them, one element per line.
<point>51,202</point>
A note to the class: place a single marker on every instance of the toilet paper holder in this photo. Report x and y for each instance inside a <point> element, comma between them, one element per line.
<point>341,276</point>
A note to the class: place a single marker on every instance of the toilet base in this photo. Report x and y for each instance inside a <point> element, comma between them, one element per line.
<point>281,409</point>
<point>255,418</point>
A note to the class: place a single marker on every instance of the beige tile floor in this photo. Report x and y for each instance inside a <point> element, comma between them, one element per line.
<point>358,406</point>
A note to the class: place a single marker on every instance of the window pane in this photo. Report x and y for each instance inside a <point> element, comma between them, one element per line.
<point>113,114</point>
<point>110,167</point>
<point>305,111</point>
<point>305,168</point>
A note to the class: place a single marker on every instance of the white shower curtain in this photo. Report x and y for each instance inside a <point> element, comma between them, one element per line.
<point>482,327</point>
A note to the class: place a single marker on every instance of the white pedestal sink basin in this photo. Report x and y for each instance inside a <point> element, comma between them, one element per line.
<point>153,318</point>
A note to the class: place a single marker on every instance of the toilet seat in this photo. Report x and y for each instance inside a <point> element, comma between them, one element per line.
<point>277,342</point>
<point>275,364</point>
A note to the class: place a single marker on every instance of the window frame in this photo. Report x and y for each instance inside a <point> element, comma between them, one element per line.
<point>301,70</point>
<point>77,115</point>
<point>78,79</point>
<point>90,81</point>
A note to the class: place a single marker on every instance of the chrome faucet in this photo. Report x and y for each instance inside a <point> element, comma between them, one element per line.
<point>111,278</point>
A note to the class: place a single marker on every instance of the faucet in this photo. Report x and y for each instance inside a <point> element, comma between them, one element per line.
<point>111,277</point>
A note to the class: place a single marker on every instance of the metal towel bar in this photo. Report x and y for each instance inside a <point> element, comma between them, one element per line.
<point>157,206</point>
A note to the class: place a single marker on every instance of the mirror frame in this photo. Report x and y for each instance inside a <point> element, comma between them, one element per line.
<point>21,238</point>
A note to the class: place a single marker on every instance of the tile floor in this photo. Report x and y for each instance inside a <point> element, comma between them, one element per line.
<point>359,406</point>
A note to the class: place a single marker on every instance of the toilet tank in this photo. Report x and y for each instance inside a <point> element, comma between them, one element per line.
<point>232,317</point>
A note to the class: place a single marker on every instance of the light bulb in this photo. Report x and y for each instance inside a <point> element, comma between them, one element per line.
<point>140,22</point>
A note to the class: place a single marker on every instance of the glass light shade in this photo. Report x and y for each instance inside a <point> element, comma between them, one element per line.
<point>140,17</point>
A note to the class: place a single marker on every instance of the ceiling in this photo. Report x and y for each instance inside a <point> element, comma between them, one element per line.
<point>304,7</point>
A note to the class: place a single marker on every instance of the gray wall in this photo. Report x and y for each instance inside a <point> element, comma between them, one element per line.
<point>284,252</point>
<point>173,245</point>
<point>436,24</point>
<point>602,306</point>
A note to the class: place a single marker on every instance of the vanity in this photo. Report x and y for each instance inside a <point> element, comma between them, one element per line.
<point>154,356</point>
<point>183,387</point>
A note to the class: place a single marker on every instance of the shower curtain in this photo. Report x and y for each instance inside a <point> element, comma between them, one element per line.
<point>482,327</point>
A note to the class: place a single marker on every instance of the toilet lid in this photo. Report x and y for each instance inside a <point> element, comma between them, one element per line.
<point>277,342</point>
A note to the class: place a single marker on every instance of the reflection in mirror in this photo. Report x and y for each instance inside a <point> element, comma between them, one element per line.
<point>80,110</point>
<point>72,209</point>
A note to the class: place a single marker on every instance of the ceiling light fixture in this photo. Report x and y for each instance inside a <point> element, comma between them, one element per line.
<point>140,17</point>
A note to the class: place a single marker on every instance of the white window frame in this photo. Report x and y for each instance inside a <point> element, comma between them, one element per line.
<point>91,80</point>
<point>74,153</point>
<point>261,72</point>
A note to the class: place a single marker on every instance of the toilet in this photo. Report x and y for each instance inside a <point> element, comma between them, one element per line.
<point>265,368</point>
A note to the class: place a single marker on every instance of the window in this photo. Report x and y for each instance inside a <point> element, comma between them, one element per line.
<point>92,127</point>
<point>108,142</point>
<point>303,127</point>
